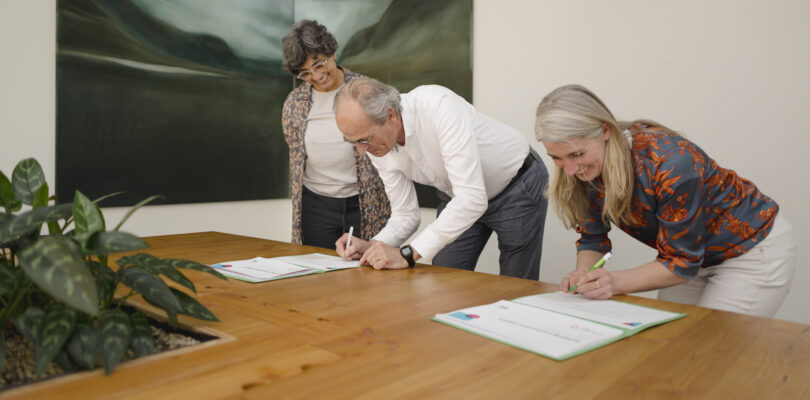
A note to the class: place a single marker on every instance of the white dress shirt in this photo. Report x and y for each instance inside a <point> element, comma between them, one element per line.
<point>454,148</point>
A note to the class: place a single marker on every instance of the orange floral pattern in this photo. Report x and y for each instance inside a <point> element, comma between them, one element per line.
<point>694,212</point>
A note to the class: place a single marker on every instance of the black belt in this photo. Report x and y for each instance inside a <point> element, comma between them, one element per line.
<point>523,168</point>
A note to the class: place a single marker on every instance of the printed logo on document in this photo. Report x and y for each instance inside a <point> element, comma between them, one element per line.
<point>464,316</point>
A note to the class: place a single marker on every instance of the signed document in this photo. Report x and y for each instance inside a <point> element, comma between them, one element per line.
<point>556,325</point>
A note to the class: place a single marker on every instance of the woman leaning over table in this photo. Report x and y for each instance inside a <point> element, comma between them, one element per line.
<point>332,187</point>
<point>721,242</point>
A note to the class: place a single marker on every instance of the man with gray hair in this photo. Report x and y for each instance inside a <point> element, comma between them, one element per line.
<point>488,178</point>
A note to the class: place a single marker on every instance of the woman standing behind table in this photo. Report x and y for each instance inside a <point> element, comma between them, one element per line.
<point>333,188</point>
<point>721,242</point>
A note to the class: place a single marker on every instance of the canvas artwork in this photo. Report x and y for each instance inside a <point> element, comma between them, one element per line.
<point>183,98</point>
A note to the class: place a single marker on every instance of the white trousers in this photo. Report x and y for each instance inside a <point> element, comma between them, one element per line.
<point>753,283</point>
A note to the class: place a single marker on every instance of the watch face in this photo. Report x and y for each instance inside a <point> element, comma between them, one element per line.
<point>407,254</point>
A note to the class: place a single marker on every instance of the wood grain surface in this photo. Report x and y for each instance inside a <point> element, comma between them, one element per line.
<point>367,334</point>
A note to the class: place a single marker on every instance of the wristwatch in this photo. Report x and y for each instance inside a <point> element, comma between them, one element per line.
<point>407,253</point>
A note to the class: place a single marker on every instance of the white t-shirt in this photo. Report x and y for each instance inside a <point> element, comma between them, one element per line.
<point>454,148</point>
<point>330,169</point>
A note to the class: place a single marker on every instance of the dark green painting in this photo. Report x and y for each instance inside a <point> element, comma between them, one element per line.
<point>405,43</point>
<point>183,97</point>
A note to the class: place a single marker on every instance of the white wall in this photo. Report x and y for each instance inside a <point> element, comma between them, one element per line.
<point>730,74</point>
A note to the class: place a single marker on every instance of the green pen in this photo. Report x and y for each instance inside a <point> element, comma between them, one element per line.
<point>598,264</point>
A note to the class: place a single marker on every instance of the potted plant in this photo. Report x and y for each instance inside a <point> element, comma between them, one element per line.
<point>58,290</point>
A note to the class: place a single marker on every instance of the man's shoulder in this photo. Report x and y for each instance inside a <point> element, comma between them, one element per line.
<point>430,90</point>
<point>431,98</point>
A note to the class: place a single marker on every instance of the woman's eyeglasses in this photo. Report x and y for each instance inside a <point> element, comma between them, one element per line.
<point>319,67</point>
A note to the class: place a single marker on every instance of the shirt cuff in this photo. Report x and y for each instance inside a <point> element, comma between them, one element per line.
<point>427,244</point>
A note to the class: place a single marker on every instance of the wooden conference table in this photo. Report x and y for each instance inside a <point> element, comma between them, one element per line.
<point>366,334</point>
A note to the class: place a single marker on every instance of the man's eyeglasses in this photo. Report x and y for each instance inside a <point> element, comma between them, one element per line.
<point>364,142</point>
<point>318,67</point>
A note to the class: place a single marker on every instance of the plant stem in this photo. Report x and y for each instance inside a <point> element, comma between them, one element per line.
<point>9,311</point>
<point>123,300</point>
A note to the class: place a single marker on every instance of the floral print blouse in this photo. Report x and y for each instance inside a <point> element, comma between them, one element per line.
<point>694,212</point>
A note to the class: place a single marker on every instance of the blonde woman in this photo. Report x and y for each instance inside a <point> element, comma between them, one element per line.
<point>721,242</point>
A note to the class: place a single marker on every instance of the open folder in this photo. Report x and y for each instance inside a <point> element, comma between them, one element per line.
<point>556,325</point>
<point>262,269</point>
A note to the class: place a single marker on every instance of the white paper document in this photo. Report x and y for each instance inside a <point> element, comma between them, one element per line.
<point>260,269</point>
<point>539,331</point>
<point>319,261</point>
<point>557,325</point>
<point>615,313</point>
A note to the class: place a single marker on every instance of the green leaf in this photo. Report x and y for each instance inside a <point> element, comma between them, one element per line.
<point>7,281</point>
<point>186,264</point>
<point>28,323</point>
<point>192,307</point>
<point>106,196</point>
<point>41,196</point>
<point>55,329</point>
<point>116,332</point>
<point>113,242</point>
<point>105,280</point>
<point>57,269</point>
<point>135,208</point>
<point>30,221</point>
<point>86,215</point>
<point>26,179</point>
<point>159,266</point>
<point>83,344</point>
<point>83,239</point>
<point>9,202</point>
<point>152,289</point>
<point>64,361</point>
<point>143,343</point>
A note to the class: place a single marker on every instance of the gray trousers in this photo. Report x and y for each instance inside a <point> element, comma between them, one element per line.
<point>518,217</point>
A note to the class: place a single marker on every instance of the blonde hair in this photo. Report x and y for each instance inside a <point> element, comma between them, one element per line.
<point>574,112</point>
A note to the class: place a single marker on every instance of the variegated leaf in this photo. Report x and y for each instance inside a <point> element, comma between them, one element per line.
<point>28,323</point>
<point>192,307</point>
<point>86,215</point>
<point>105,280</point>
<point>113,242</point>
<point>7,199</point>
<point>116,332</point>
<point>55,329</point>
<point>64,361</point>
<point>30,221</point>
<point>7,279</point>
<point>26,179</point>
<point>186,264</point>
<point>83,344</point>
<point>143,343</point>
<point>56,268</point>
<point>151,288</point>
<point>41,196</point>
<point>157,266</point>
